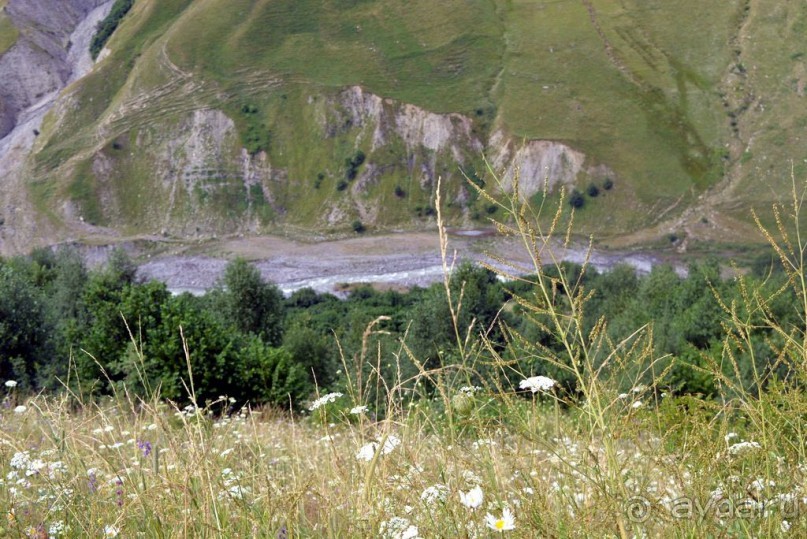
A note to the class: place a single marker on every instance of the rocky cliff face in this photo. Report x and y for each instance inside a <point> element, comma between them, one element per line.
<point>194,177</point>
<point>38,63</point>
<point>170,159</point>
<point>51,51</point>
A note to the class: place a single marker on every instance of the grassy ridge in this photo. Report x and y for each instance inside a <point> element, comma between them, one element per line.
<point>443,57</point>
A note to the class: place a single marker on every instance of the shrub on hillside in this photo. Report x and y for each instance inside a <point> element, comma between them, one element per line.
<point>576,199</point>
<point>106,27</point>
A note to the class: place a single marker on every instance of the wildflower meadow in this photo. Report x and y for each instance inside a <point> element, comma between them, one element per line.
<point>569,434</point>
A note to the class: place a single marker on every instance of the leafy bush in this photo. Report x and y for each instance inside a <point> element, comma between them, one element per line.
<point>257,137</point>
<point>576,199</point>
<point>424,211</point>
<point>357,226</point>
<point>593,190</point>
<point>24,342</point>
<point>249,303</point>
<point>353,163</point>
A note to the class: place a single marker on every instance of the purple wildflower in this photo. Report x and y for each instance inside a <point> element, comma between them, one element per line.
<point>119,492</point>
<point>145,447</point>
<point>92,482</point>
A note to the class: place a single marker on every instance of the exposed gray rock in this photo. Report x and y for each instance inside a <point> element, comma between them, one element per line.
<point>37,64</point>
<point>45,58</point>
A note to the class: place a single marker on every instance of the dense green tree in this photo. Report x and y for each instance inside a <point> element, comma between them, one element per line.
<point>218,361</point>
<point>251,304</point>
<point>24,328</point>
<point>271,375</point>
<point>313,352</point>
<point>121,314</point>
<point>67,313</point>
<point>212,353</point>
<point>478,297</point>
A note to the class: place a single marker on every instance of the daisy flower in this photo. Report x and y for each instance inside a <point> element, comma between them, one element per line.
<point>473,498</point>
<point>506,523</point>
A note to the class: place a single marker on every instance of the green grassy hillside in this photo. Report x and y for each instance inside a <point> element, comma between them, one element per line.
<point>693,111</point>
<point>8,32</point>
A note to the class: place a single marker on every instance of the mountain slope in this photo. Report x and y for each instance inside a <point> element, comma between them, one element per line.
<point>222,116</point>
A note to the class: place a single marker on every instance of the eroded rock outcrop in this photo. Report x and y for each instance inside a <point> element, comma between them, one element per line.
<point>38,64</point>
<point>534,162</point>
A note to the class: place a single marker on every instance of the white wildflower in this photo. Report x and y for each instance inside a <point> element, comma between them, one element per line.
<point>56,528</point>
<point>483,442</point>
<point>397,528</point>
<point>743,447</point>
<point>473,498</point>
<point>506,523</point>
<point>323,400</point>
<point>390,443</point>
<point>367,452</point>
<point>20,460</point>
<point>20,409</point>
<point>11,383</point>
<point>34,467</point>
<point>358,410</point>
<point>410,533</point>
<point>537,383</point>
<point>471,478</point>
<point>434,493</point>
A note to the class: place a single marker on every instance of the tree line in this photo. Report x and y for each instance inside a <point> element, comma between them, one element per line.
<point>65,327</point>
